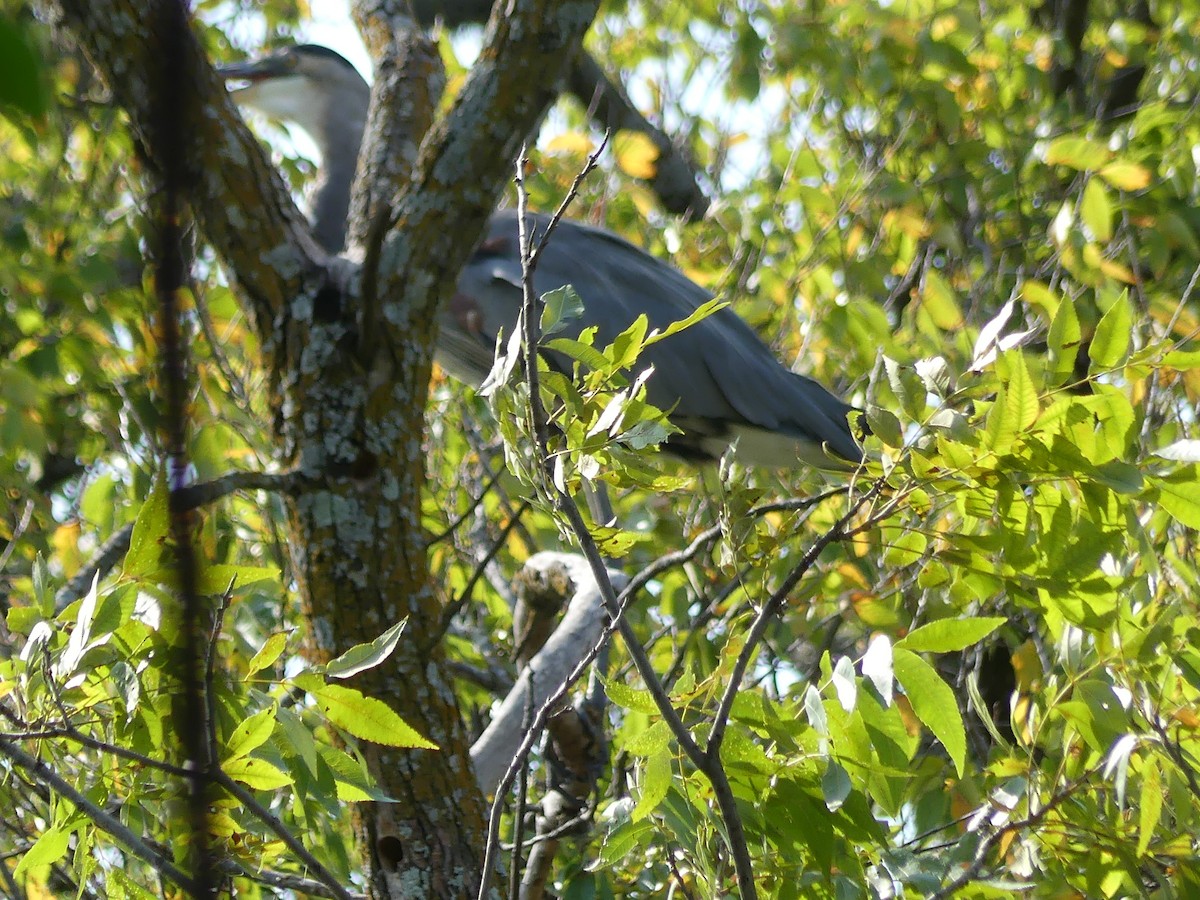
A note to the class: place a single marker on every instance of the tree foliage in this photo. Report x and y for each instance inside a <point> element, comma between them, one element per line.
<point>969,667</point>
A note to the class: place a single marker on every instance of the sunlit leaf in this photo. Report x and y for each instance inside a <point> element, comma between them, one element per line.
<point>933,702</point>
<point>947,635</point>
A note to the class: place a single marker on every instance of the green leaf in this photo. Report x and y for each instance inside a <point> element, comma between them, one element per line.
<point>948,635</point>
<point>267,653</point>
<point>630,698</point>
<point>628,345</point>
<point>1064,338</point>
<point>559,306</point>
<point>1126,176</point>
<point>215,580</point>
<point>354,785</point>
<point>703,311</point>
<point>655,782</point>
<point>250,734</point>
<point>1179,494</point>
<point>933,703</point>
<point>1096,210</point>
<point>49,848</point>
<point>1016,406</point>
<point>149,533</point>
<point>21,81</point>
<point>367,718</point>
<point>1110,343</point>
<point>835,786</point>
<point>1078,152</point>
<point>81,635</point>
<point>938,299</point>
<point>1151,804</point>
<point>256,774</point>
<point>623,839</point>
<point>361,657</point>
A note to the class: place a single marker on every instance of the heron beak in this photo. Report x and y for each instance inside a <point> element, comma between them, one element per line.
<point>254,70</point>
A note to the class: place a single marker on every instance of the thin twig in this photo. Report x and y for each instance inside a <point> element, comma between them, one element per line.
<point>191,497</point>
<point>514,875</point>
<point>282,880</point>
<point>836,533</point>
<point>210,657</point>
<point>453,607</point>
<point>101,819</point>
<point>991,840</point>
<point>250,802</point>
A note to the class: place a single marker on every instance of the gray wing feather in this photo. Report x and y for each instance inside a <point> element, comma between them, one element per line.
<point>718,372</point>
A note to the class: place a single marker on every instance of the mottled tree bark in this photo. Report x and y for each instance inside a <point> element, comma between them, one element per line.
<point>349,350</point>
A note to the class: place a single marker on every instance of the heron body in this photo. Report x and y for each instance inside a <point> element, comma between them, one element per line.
<point>717,378</point>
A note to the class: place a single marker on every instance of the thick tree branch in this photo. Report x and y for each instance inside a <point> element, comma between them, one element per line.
<point>466,159</point>
<point>674,180</point>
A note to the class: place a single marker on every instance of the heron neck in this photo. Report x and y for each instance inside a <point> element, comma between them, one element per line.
<point>330,199</point>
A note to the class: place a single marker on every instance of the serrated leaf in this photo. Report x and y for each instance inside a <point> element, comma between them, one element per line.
<point>655,782</point>
<point>267,654</point>
<point>250,734</point>
<point>1015,409</point>
<point>353,784</point>
<point>885,426</point>
<point>933,702</point>
<point>1179,494</point>
<point>367,718</point>
<point>1110,343</point>
<point>361,657</point>
<point>630,698</point>
<point>948,635</point>
<point>256,774</point>
<point>622,840</point>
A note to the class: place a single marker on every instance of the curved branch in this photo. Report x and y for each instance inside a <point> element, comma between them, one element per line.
<point>577,634</point>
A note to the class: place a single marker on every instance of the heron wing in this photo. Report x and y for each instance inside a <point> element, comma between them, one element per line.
<point>717,372</point>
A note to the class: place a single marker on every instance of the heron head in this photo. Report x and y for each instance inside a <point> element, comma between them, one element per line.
<point>314,87</point>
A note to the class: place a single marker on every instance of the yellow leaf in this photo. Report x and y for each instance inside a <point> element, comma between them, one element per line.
<point>572,143</point>
<point>1126,176</point>
<point>1117,271</point>
<point>636,154</point>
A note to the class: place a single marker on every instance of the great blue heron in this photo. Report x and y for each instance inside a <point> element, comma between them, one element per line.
<point>718,379</point>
